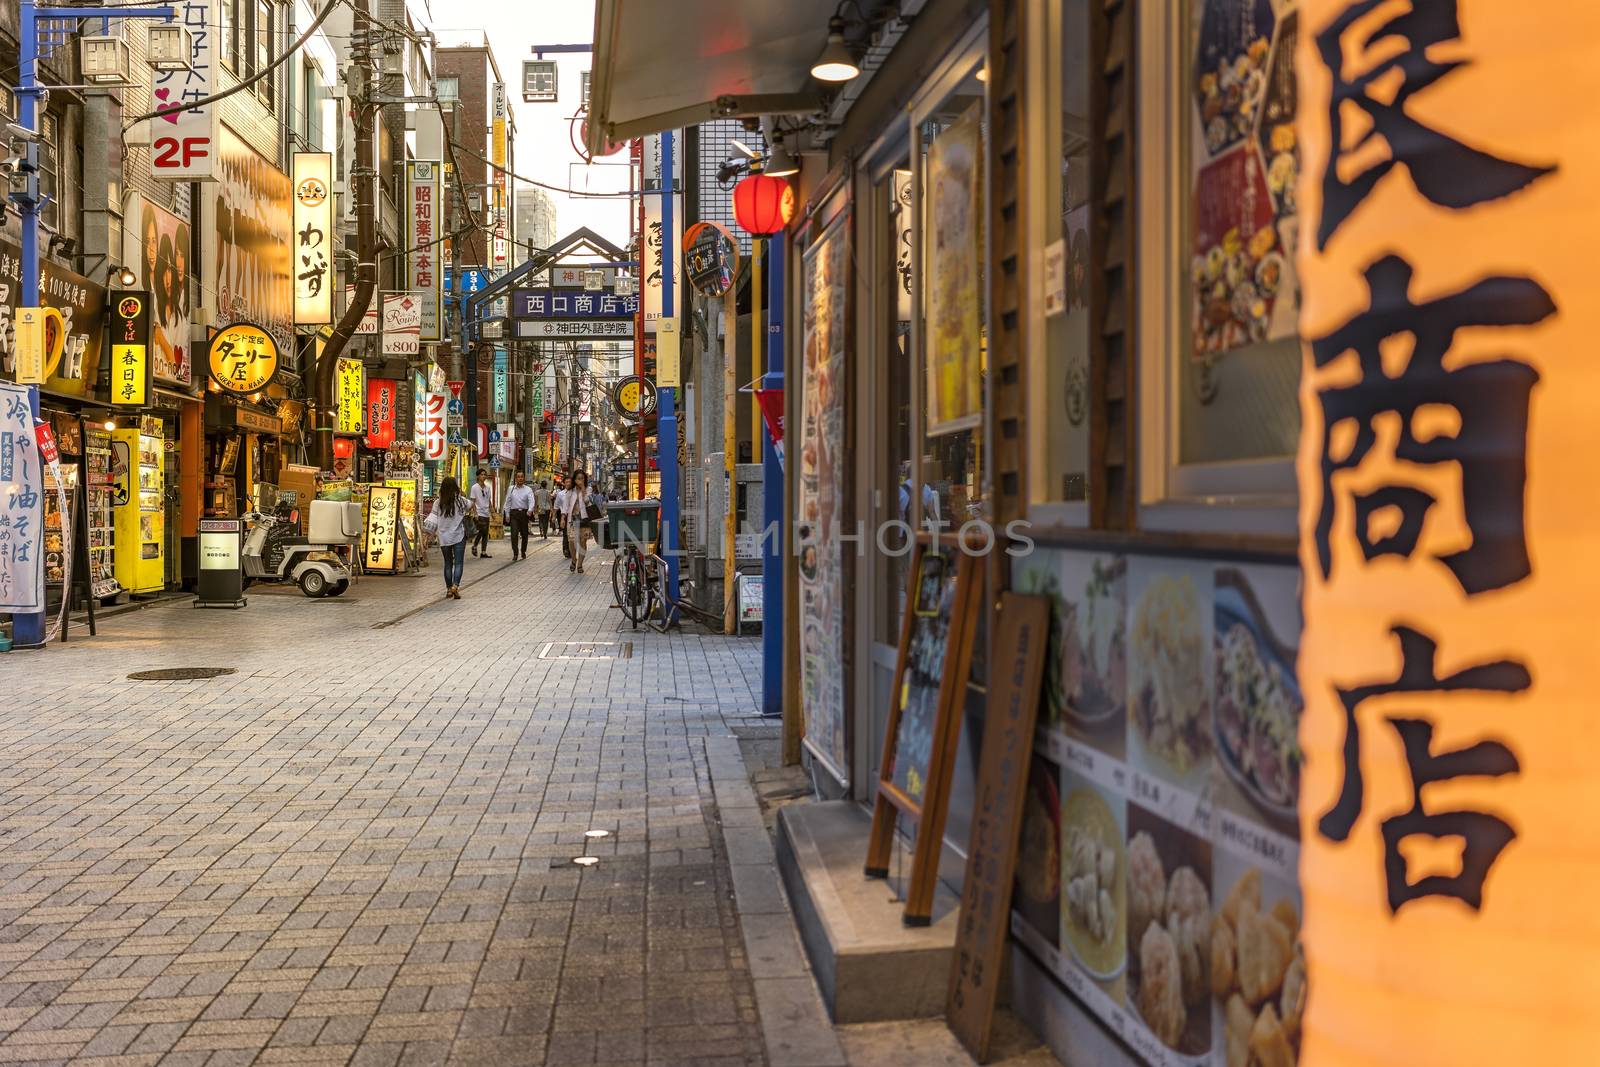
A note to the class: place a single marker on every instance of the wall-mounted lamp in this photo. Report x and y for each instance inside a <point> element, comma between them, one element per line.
<point>836,63</point>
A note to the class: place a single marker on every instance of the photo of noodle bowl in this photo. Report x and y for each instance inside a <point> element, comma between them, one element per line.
<point>1169,696</point>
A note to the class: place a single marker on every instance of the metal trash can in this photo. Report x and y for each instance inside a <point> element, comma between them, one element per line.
<point>632,522</point>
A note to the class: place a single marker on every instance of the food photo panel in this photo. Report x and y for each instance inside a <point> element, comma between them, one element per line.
<point>1169,676</point>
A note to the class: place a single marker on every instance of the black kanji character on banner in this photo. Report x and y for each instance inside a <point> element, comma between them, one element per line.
<point>1483,835</point>
<point>1449,173</point>
<point>1474,416</point>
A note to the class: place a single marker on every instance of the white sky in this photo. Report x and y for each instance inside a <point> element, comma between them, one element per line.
<point>543,147</point>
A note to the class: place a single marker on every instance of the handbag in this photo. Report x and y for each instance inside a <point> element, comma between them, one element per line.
<point>430,525</point>
<point>591,510</point>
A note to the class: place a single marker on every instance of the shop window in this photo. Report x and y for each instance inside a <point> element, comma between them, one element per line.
<point>951,202</point>
<point>1220,411</point>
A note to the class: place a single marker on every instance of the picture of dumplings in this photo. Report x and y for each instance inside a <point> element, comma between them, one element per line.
<point>1160,985</point>
<point>1258,974</point>
<point>1093,882</point>
<point>1147,885</point>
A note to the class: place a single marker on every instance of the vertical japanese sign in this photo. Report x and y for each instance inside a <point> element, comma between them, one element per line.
<point>247,251</point>
<point>183,142</point>
<point>313,238</point>
<point>585,396</point>
<point>1447,525</point>
<point>383,521</point>
<point>501,117</point>
<point>954,268</point>
<point>508,440</point>
<point>538,395</point>
<point>383,398</point>
<point>130,350</point>
<point>419,409</point>
<point>433,426</point>
<point>502,390</point>
<point>351,381</point>
<point>424,264</point>
<point>654,234</point>
<point>21,505</point>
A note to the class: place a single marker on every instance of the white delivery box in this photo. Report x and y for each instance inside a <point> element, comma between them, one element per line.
<point>334,522</point>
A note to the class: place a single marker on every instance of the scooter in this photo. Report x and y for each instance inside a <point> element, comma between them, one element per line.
<point>275,552</point>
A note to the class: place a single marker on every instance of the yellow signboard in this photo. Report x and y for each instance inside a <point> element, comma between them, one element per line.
<point>34,363</point>
<point>243,359</point>
<point>383,523</point>
<point>668,375</point>
<point>1447,531</point>
<point>408,504</point>
<point>130,375</point>
<point>351,378</point>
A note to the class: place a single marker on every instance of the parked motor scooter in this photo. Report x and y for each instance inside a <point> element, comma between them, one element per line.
<point>274,551</point>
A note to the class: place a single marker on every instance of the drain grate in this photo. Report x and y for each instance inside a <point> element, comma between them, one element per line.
<point>586,650</point>
<point>180,674</point>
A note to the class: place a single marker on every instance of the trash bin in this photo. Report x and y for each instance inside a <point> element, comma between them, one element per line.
<point>632,522</point>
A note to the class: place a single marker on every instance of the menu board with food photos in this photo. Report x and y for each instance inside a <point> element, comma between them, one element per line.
<point>1157,879</point>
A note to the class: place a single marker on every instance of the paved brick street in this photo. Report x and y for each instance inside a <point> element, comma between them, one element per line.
<point>356,849</point>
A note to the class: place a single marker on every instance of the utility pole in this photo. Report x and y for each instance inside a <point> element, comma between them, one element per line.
<point>363,177</point>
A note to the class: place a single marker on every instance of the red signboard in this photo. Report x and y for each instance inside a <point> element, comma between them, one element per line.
<point>433,426</point>
<point>382,396</point>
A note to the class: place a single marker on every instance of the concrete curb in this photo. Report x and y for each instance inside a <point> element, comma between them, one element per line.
<point>794,1024</point>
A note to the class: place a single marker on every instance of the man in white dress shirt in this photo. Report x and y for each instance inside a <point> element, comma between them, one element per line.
<point>519,502</point>
<point>482,500</point>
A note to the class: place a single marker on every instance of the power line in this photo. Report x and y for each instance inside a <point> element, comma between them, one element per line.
<point>553,188</point>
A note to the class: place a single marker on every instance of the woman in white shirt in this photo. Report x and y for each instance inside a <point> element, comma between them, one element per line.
<point>576,511</point>
<point>450,513</point>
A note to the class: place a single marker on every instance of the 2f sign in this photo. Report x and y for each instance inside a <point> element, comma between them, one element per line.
<point>181,154</point>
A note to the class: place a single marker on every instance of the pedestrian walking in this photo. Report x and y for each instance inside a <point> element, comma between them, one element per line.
<point>519,502</point>
<point>541,507</point>
<point>482,501</point>
<point>448,522</point>
<point>577,510</point>
<point>563,493</point>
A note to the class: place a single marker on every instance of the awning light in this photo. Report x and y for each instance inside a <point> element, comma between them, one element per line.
<point>835,64</point>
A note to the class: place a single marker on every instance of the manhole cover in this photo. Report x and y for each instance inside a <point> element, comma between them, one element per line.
<point>180,674</point>
<point>586,650</point>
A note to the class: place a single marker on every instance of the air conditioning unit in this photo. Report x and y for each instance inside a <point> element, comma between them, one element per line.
<point>171,47</point>
<point>106,60</point>
<point>623,286</point>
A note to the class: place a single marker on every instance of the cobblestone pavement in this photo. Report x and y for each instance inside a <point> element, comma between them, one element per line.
<point>357,848</point>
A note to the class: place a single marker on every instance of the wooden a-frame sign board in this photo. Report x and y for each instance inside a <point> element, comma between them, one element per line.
<point>930,683</point>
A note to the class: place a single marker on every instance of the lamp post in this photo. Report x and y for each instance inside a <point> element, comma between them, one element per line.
<point>28,629</point>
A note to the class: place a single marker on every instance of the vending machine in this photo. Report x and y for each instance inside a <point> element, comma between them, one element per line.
<point>136,464</point>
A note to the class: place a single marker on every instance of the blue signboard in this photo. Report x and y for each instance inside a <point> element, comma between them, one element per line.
<point>473,279</point>
<point>571,304</point>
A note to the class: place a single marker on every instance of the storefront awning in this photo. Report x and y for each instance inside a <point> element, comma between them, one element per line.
<point>663,66</point>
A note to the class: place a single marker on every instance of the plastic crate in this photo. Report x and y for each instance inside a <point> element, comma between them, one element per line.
<point>632,521</point>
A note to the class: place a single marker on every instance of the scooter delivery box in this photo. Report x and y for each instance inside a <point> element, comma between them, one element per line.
<point>334,522</point>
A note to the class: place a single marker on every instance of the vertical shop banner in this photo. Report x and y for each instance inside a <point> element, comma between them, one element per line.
<point>402,324</point>
<point>433,426</point>
<point>953,239</point>
<point>383,527</point>
<point>156,246</point>
<point>1447,530</point>
<point>501,117</point>
<point>313,238</point>
<point>383,404</point>
<point>425,216</point>
<point>81,304</point>
<point>419,409</point>
<point>654,232</point>
<point>183,139</point>
<point>246,245</point>
<point>585,397</point>
<point>903,224</point>
<point>130,349</point>
<point>502,384</point>
<point>21,505</point>
<point>537,404</point>
<point>823,480</point>
<point>350,381</point>
<point>508,440</point>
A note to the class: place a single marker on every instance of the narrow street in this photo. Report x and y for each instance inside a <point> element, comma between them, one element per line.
<point>357,848</point>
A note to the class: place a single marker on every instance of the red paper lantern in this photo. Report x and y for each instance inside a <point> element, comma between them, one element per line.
<point>763,204</point>
<point>344,447</point>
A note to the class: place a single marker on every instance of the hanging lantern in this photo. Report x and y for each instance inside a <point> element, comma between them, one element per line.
<point>763,204</point>
<point>344,447</point>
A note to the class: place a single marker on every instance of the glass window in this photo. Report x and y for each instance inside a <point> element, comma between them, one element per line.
<point>894,266</point>
<point>1060,410</point>
<point>1239,369</point>
<point>264,30</point>
<point>538,81</point>
<point>227,27</point>
<point>951,205</point>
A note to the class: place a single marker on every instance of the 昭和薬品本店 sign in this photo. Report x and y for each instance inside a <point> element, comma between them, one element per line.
<point>424,273</point>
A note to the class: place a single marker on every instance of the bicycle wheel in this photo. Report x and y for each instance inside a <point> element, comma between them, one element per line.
<point>625,582</point>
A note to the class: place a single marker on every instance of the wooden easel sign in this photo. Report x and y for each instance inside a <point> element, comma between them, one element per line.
<point>930,681</point>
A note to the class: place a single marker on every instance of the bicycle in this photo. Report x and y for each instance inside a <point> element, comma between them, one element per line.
<point>630,582</point>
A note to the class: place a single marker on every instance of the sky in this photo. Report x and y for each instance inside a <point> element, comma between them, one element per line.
<point>544,132</point>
